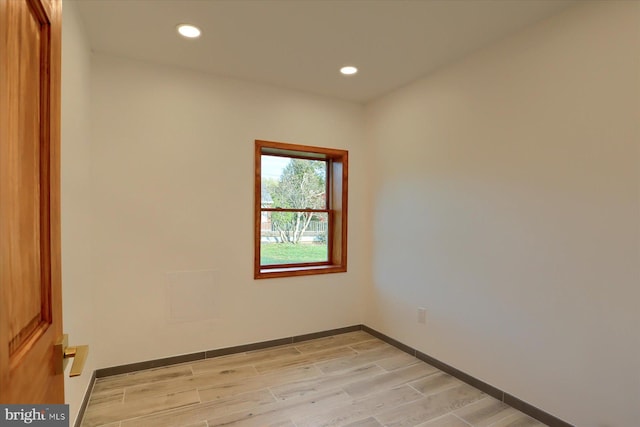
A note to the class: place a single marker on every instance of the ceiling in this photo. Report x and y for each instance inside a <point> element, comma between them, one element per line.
<point>301,44</point>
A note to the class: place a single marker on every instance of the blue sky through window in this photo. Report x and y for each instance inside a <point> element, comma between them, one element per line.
<point>272,166</point>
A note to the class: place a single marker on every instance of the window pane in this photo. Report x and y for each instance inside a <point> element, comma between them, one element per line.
<point>293,237</point>
<point>293,183</point>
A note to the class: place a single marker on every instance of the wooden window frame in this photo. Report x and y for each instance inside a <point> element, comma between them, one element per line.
<point>337,204</point>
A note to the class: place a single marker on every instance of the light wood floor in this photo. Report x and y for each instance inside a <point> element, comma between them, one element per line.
<point>350,379</point>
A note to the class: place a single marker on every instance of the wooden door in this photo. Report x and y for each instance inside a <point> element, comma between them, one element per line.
<point>30,288</point>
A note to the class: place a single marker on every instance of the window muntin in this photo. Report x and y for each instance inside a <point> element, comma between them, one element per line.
<point>301,201</point>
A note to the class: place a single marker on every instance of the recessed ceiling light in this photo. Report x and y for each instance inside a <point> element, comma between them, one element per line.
<point>348,70</point>
<point>189,31</point>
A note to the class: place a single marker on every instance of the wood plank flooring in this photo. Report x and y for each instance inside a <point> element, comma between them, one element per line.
<point>352,379</point>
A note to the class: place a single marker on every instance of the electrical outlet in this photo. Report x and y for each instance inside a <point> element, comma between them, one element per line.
<point>422,315</point>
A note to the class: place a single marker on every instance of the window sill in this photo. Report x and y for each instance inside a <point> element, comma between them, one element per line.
<point>267,273</point>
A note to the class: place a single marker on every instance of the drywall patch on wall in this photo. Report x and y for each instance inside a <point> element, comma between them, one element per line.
<point>192,296</point>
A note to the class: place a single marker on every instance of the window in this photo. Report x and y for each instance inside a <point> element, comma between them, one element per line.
<point>300,210</point>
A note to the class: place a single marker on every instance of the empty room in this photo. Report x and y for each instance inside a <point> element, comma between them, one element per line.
<point>321,212</point>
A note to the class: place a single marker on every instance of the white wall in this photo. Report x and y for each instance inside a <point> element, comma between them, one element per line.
<point>172,183</point>
<point>507,202</point>
<point>77,278</point>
